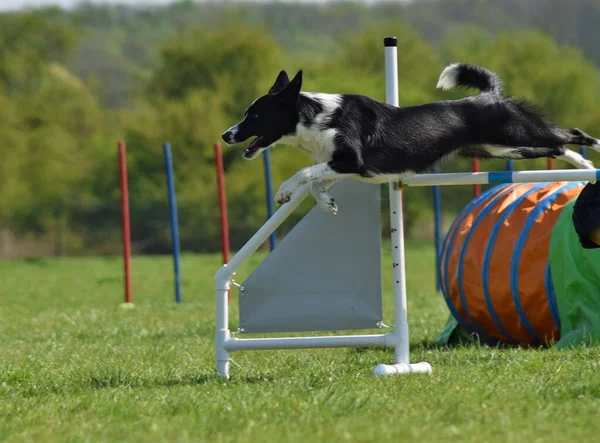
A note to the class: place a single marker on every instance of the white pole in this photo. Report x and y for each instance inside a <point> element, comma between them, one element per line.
<point>471,178</point>
<point>402,363</point>
<point>336,341</point>
<point>396,217</point>
<point>227,270</point>
<point>222,333</point>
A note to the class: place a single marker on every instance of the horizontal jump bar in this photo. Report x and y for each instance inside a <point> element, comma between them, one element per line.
<point>340,341</point>
<point>484,178</point>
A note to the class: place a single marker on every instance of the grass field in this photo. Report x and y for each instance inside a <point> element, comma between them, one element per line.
<point>75,367</point>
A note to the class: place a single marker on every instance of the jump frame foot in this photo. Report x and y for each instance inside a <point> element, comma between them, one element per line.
<point>402,368</point>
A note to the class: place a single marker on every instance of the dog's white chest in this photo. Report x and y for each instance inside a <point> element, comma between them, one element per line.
<point>318,142</point>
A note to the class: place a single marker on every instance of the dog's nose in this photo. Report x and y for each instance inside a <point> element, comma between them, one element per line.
<point>227,136</point>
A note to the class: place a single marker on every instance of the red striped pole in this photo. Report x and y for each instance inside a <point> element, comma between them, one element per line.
<point>222,205</point>
<point>550,163</point>
<point>125,220</point>
<point>476,188</point>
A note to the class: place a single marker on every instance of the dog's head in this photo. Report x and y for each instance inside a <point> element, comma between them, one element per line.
<point>269,117</point>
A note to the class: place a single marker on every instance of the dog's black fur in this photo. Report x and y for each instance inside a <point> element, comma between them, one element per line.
<point>359,136</point>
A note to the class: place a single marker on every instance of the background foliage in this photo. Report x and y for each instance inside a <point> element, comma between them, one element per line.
<point>74,82</point>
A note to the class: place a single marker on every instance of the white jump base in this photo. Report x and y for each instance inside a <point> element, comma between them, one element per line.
<point>225,344</point>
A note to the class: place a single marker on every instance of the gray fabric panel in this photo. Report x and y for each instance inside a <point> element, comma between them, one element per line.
<point>325,275</point>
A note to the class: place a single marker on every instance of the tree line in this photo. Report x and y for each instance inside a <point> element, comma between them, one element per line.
<point>72,83</point>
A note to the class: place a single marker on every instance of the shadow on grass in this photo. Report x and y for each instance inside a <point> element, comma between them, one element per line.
<point>254,379</point>
<point>427,345</point>
<point>128,380</point>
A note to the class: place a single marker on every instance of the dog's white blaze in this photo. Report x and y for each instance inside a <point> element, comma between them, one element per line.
<point>448,78</point>
<point>234,130</point>
<point>596,146</point>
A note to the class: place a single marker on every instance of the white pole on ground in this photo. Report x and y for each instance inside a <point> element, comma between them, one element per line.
<point>401,356</point>
<point>396,217</point>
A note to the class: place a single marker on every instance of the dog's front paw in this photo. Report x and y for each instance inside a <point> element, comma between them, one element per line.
<point>330,207</point>
<point>327,204</point>
<point>284,194</point>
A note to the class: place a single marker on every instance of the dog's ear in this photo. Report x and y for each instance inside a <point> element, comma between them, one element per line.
<point>292,90</point>
<point>280,83</point>
<point>296,84</point>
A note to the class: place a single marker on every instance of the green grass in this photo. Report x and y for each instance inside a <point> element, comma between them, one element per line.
<point>75,367</point>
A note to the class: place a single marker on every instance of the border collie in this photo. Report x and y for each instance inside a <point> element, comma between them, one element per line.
<point>356,136</point>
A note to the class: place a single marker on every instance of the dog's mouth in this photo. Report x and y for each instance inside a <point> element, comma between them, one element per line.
<point>254,148</point>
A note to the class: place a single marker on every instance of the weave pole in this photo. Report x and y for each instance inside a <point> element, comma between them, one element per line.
<point>269,194</point>
<point>125,221</point>
<point>222,206</point>
<point>173,215</point>
<point>222,203</point>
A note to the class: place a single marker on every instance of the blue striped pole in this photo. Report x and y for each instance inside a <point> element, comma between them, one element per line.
<point>509,165</point>
<point>174,222</point>
<point>437,234</point>
<point>269,191</point>
<point>486,178</point>
<point>583,151</point>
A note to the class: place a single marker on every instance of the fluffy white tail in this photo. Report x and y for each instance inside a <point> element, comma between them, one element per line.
<point>469,76</point>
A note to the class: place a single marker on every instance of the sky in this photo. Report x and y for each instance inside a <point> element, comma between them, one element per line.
<point>18,4</point>
<point>12,5</point>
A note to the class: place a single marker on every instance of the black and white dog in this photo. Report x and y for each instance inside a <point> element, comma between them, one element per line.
<point>356,136</point>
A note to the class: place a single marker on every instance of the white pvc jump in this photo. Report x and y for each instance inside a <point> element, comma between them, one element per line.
<point>484,178</point>
<point>399,337</point>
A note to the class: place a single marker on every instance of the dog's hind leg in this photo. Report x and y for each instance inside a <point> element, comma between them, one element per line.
<point>576,136</point>
<point>559,152</point>
<point>520,153</point>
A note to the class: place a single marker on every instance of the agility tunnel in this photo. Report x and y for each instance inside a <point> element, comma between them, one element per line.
<point>513,271</point>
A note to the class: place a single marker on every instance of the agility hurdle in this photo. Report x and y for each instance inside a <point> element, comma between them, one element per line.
<point>274,298</point>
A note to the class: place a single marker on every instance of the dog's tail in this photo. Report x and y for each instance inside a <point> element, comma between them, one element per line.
<point>469,76</point>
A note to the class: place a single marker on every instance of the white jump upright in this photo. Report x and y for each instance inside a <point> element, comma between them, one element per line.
<point>314,281</point>
<point>400,335</point>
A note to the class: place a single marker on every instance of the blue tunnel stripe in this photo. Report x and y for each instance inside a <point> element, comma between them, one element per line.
<point>448,246</point>
<point>482,214</point>
<point>490,248</point>
<point>516,258</point>
<point>551,295</point>
<point>490,207</point>
<point>448,239</point>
